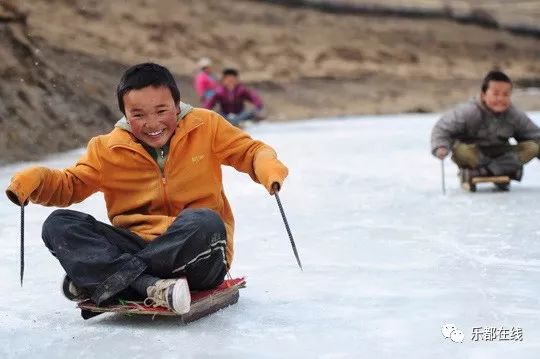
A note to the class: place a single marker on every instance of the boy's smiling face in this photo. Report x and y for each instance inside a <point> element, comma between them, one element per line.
<point>151,113</point>
<point>497,96</point>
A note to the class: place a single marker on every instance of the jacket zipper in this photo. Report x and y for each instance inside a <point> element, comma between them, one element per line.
<point>161,173</point>
<point>163,177</point>
<point>164,183</point>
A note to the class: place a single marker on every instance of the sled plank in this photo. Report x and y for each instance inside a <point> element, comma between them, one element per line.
<point>202,304</point>
<point>491,179</point>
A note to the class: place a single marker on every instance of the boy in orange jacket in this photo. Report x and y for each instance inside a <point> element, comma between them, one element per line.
<point>160,172</point>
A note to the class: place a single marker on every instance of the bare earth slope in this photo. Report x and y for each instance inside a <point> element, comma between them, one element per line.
<point>61,62</point>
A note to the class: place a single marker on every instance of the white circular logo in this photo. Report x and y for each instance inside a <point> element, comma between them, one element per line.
<point>457,336</point>
<point>447,330</point>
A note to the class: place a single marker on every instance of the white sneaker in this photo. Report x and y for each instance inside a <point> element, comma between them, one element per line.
<point>170,293</point>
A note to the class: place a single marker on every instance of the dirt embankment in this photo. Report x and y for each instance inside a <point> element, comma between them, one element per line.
<point>60,61</point>
<point>44,105</point>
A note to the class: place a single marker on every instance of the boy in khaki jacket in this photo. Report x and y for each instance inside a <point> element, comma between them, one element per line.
<point>160,172</point>
<point>478,132</point>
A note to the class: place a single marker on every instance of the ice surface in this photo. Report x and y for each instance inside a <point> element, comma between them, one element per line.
<point>387,260</point>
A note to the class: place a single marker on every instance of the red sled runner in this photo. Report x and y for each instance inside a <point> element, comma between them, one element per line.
<point>203,303</point>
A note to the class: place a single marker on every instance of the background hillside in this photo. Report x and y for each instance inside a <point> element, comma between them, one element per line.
<point>60,60</point>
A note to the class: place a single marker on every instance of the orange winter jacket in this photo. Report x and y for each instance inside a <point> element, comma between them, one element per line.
<point>142,198</point>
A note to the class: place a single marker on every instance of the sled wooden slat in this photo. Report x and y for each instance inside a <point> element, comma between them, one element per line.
<point>202,304</point>
<point>491,179</point>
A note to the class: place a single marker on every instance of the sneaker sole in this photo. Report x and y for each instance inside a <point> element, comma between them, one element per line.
<point>180,297</point>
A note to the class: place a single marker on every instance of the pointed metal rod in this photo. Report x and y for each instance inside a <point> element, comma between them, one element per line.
<point>443,179</point>
<point>22,244</point>
<point>275,187</point>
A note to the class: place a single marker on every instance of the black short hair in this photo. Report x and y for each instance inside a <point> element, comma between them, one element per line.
<point>144,75</point>
<point>230,72</point>
<point>494,75</point>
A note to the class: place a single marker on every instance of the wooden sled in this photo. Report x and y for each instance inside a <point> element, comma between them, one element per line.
<point>471,185</point>
<point>203,303</point>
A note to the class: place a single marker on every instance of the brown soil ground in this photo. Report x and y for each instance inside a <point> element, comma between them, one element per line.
<point>61,60</point>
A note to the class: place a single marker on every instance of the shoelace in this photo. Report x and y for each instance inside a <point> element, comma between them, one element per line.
<point>158,297</point>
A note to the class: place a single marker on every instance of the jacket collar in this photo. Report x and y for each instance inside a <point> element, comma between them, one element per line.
<point>188,120</point>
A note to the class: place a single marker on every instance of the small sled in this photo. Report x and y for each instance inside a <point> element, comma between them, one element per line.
<point>203,303</point>
<point>502,182</point>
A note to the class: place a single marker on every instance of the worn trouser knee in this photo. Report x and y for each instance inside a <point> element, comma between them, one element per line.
<point>527,150</point>
<point>55,224</point>
<point>466,155</point>
<point>84,247</point>
<point>207,221</point>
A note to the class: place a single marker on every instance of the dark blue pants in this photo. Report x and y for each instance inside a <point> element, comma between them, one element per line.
<point>105,260</point>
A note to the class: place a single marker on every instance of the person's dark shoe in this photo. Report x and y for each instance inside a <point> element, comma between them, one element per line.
<point>503,186</point>
<point>518,174</point>
<point>73,293</point>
